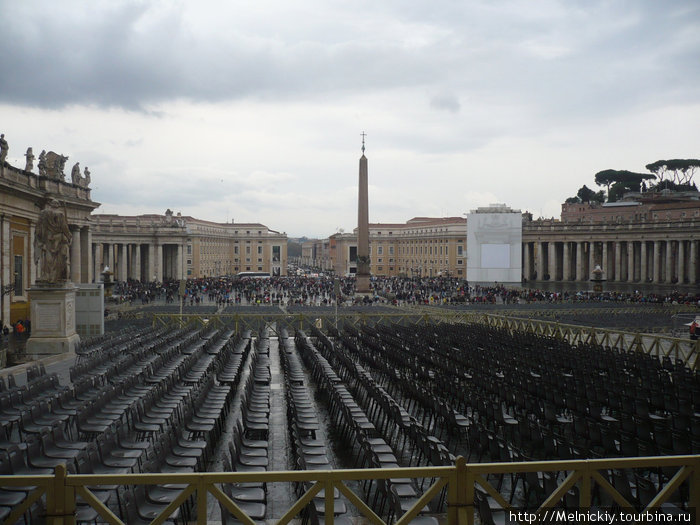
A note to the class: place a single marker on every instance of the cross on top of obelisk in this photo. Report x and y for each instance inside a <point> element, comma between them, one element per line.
<point>363,141</point>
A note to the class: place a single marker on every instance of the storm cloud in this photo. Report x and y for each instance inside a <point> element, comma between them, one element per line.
<point>176,97</point>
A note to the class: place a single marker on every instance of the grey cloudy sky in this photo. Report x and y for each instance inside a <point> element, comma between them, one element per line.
<point>252,111</point>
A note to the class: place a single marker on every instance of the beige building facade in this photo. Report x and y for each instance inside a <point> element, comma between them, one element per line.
<point>420,247</point>
<point>655,240</point>
<point>161,247</point>
<point>23,194</point>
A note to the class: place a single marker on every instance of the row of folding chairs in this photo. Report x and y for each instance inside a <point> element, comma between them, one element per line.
<point>356,427</point>
<point>230,370</point>
<point>308,448</point>
<point>248,448</point>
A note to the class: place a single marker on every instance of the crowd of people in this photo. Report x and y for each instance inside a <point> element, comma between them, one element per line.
<point>320,291</point>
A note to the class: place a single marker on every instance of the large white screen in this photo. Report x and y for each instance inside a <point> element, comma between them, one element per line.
<point>495,255</point>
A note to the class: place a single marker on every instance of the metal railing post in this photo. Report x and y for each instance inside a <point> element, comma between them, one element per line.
<point>585,492</point>
<point>461,494</point>
<point>202,500</point>
<point>60,499</point>
<point>694,497</point>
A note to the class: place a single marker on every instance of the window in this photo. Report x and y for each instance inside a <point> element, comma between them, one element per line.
<point>19,276</point>
<point>235,250</point>
<point>189,249</point>
<point>460,251</point>
<point>189,261</point>
<point>259,250</point>
<point>391,250</point>
<point>247,250</point>
<point>380,250</point>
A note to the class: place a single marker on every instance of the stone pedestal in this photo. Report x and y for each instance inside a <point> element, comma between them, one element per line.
<point>362,284</point>
<point>53,319</point>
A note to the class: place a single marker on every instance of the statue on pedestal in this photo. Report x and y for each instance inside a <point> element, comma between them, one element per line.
<point>42,163</point>
<point>3,148</point>
<point>51,244</point>
<point>54,165</point>
<point>86,178</point>
<point>29,166</point>
<point>75,174</point>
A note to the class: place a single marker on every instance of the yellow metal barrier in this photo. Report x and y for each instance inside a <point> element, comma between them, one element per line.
<point>460,480</point>
<point>657,345</point>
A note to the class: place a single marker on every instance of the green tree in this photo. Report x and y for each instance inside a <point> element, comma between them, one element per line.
<point>621,180</point>
<point>680,171</point>
<point>585,194</point>
<point>617,190</point>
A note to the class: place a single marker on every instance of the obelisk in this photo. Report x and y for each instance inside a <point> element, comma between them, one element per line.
<point>363,264</point>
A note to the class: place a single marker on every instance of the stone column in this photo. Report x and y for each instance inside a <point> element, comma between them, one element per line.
<point>526,260</point>
<point>591,259</point>
<point>97,261</point>
<point>579,261</point>
<point>6,274</point>
<point>108,258</point>
<point>159,263</point>
<point>552,269</point>
<point>150,263</point>
<point>606,261</point>
<point>178,262</point>
<point>137,262</point>
<point>32,266</point>
<point>130,258</point>
<point>643,275</point>
<point>657,262</point>
<point>669,261</point>
<point>86,255</point>
<point>122,262</point>
<point>75,246</point>
<point>566,262</point>
<point>630,261</point>
<point>540,261</point>
<point>618,261</point>
<point>693,277</point>
<point>681,262</point>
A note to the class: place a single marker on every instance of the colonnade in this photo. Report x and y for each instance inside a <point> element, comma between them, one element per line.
<point>80,258</point>
<point>644,261</point>
<point>136,261</point>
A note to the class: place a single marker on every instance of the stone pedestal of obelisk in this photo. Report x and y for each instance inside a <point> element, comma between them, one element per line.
<point>363,261</point>
<point>52,312</point>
